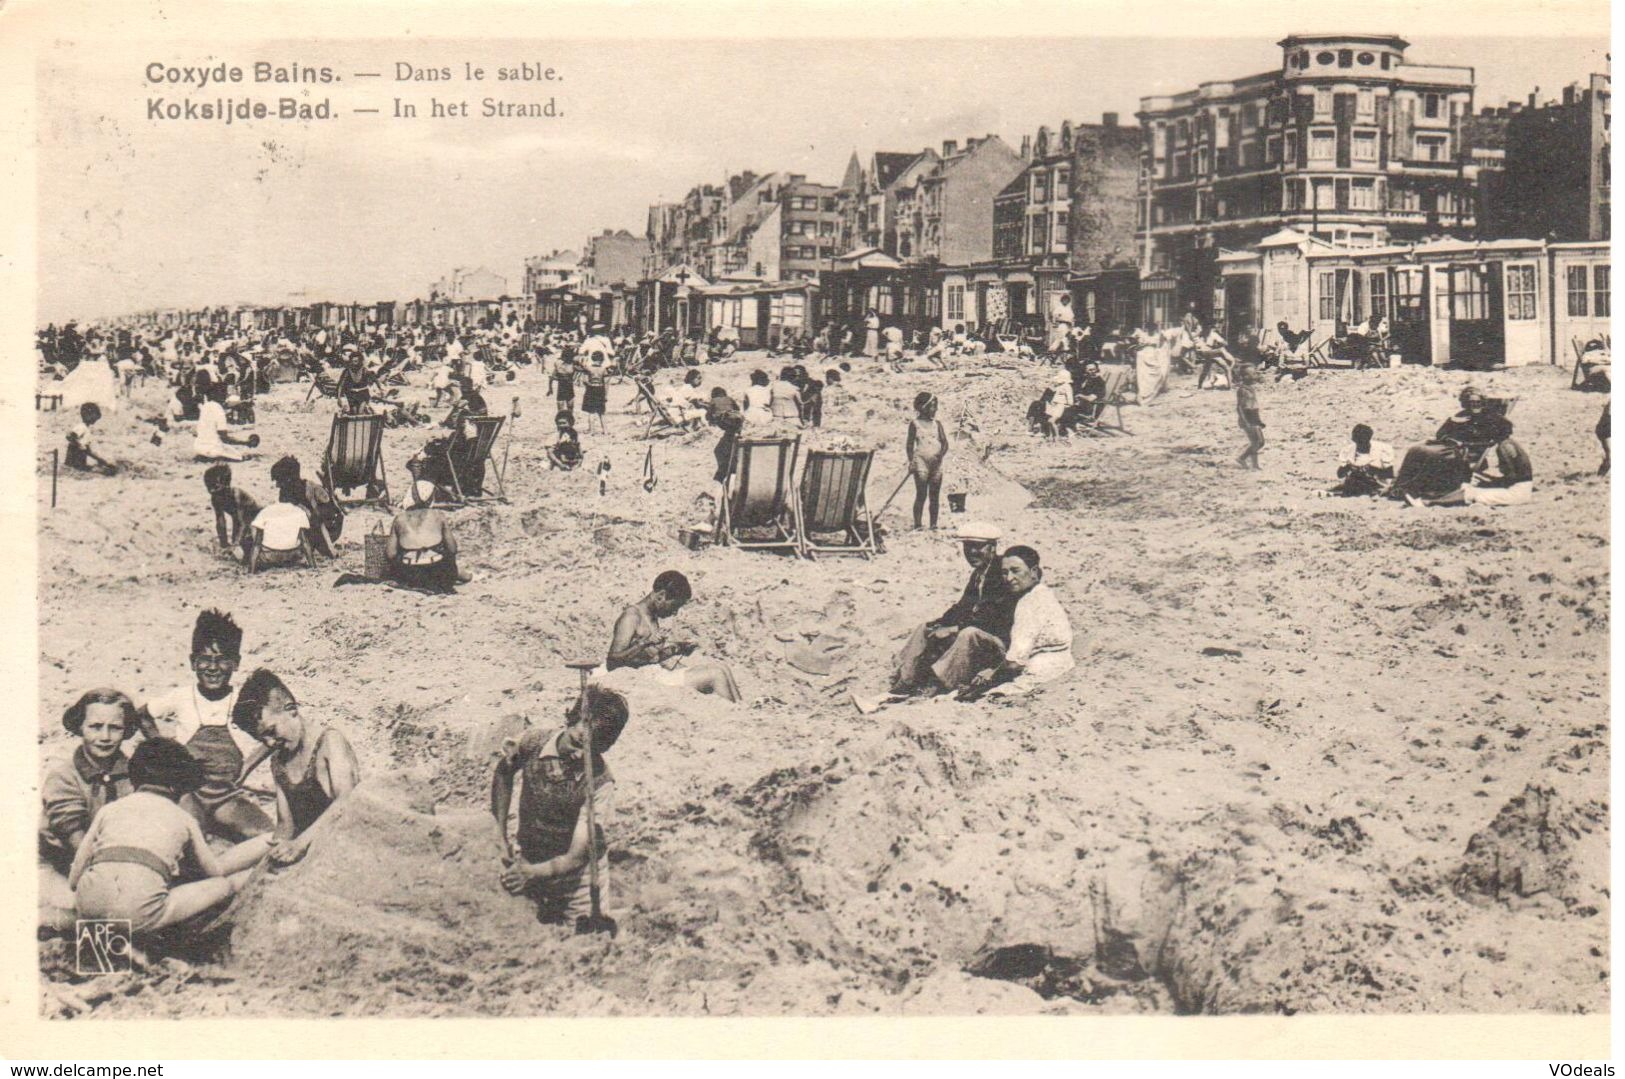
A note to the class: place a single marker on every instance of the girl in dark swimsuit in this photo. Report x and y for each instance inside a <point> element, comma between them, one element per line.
<point>314,766</point>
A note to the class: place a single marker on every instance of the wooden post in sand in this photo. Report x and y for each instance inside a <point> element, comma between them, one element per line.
<point>54,454</point>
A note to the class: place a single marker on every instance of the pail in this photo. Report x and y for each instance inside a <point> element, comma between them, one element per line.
<point>956,501</point>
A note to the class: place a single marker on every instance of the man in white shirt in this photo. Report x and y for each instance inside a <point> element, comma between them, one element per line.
<point>215,440</point>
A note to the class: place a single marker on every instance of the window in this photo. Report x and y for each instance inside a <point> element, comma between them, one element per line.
<point>1063,182</point>
<point>1520,293</point>
<point>1323,103</point>
<point>885,300</point>
<point>1430,106</point>
<point>1328,297</point>
<point>956,303</point>
<point>1470,294</point>
<point>1600,306</point>
<point>1363,195</point>
<point>1325,58</point>
<point>1379,294</point>
<point>1058,230</point>
<point>1579,292</point>
<point>1345,57</point>
<point>1272,150</point>
<point>1366,59</point>
<point>1432,147</point>
<point>1322,145</point>
<point>1365,146</point>
<point>1201,162</point>
<point>1366,102</point>
<point>1040,191</point>
<point>1292,147</point>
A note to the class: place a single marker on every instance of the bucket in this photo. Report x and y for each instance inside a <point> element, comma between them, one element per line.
<point>956,501</point>
<point>1395,359</point>
<point>694,538</point>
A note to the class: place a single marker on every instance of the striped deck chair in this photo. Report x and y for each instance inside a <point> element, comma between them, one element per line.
<point>355,458</point>
<point>832,500</point>
<point>472,461</point>
<point>758,504</point>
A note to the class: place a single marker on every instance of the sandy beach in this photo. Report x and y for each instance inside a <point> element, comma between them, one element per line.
<point>1387,794</point>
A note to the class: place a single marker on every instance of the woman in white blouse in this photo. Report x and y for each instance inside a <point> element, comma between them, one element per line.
<point>1040,636</point>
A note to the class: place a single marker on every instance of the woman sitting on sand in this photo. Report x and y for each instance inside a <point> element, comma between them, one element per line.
<point>129,866</point>
<point>421,549</point>
<point>313,765</point>
<point>1444,464</point>
<point>1040,646</point>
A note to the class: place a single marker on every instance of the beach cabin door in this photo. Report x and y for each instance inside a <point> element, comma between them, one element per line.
<point>1409,330</point>
<point>1239,316</point>
<point>1477,332</point>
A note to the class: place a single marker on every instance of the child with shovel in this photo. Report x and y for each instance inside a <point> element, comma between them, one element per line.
<point>552,864</point>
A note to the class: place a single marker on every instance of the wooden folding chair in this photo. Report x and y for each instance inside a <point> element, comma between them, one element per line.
<point>1117,384</point>
<point>832,500</point>
<point>355,458</point>
<point>757,503</point>
<point>465,457</point>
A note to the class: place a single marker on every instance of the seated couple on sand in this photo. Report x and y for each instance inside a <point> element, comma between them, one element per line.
<point>1472,459</point>
<point>1008,633</point>
<point>640,646</point>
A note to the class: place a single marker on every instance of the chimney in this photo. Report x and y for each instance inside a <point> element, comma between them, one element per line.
<point>1026,147</point>
<point>948,147</point>
<point>1532,94</point>
<point>1568,94</point>
<point>1108,119</point>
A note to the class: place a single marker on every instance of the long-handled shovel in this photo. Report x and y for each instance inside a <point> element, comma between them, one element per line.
<point>597,921</point>
<point>884,506</point>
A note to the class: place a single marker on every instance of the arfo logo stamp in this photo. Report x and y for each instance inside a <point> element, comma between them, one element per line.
<point>101,945</point>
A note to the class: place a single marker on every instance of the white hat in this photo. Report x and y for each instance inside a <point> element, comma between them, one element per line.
<point>977,532</point>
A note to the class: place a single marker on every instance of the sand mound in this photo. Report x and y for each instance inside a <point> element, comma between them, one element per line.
<point>1538,842</point>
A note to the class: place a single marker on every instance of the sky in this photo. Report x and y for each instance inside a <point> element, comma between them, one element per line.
<point>135,213</point>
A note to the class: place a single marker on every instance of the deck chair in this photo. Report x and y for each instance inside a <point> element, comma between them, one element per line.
<point>355,458</point>
<point>463,459</point>
<point>1117,383</point>
<point>660,418</point>
<point>832,500</point>
<point>757,504</point>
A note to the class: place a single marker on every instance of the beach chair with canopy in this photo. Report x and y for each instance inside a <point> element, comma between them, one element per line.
<point>355,458</point>
<point>471,465</point>
<point>1585,372</point>
<point>758,504</point>
<point>832,504</point>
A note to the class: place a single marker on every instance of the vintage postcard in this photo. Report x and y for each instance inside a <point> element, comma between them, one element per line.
<point>1035,524</point>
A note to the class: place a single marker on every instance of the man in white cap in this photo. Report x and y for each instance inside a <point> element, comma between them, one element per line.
<point>984,604</point>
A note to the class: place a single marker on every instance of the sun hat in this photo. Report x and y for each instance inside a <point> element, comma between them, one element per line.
<point>977,532</point>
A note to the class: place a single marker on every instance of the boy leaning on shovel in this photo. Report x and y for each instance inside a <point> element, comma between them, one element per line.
<point>552,866</point>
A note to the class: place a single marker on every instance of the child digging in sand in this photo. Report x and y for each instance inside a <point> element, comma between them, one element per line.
<point>550,866</point>
<point>1252,425</point>
<point>927,447</point>
<point>234,510</point>
<point>80,456</point>
<point>313,764</point>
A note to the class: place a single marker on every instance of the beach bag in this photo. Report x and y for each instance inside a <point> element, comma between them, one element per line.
<point>375,558</point>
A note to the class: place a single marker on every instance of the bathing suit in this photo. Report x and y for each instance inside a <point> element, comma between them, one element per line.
<point>306,799</point>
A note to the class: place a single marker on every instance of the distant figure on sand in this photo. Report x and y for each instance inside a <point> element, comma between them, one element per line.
<point>550,866</point>
<point>421,549</point>
<point>1247,417</point>
<point>927,448</point>
<point>1367,466</point>
<point>640,642</point>
<point>80,455</point>
<point>234,510</point>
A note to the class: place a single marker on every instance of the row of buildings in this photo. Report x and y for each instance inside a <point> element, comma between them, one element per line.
<point>1347,149</point>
